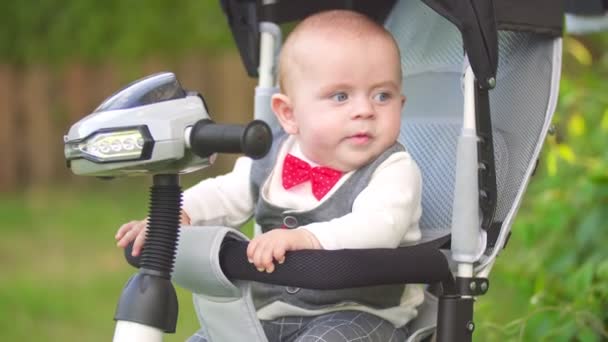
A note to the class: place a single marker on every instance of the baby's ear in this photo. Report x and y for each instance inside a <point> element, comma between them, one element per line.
<point>283,109</point>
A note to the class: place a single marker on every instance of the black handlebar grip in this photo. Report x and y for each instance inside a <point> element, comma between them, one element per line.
<point>207,138</point>
<point>256,139</point>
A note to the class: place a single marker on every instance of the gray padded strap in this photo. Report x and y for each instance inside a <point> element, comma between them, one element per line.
<point>225,309</point>
<point>197,264</point>
<point>229,319</point>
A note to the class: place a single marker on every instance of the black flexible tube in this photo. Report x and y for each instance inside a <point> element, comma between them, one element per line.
<point>163,225</point>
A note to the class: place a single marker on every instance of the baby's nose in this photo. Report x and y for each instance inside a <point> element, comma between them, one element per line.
<point>363,110</point>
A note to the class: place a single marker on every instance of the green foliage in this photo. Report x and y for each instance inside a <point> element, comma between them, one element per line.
<point>59,31</point>
<point>561,263</point>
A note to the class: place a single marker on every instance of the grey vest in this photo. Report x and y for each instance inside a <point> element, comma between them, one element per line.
<point>340,203</point>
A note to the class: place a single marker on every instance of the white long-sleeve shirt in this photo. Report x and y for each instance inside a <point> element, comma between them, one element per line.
<point>390,203</point>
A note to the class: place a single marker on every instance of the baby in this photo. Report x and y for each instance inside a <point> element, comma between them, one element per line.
<point>335,178</point>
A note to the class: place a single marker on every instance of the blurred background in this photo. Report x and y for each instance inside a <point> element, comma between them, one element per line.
<point>60,272</point>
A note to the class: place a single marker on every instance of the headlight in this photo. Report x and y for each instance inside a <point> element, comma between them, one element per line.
<point>112,145</point>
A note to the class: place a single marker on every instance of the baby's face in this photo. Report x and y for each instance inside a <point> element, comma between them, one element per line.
<point>346,100</point>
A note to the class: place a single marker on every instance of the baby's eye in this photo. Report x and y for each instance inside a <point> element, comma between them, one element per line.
<point>382,97</point>
<point>339,97</point>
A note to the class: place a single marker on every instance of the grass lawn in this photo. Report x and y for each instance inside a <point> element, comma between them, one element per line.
<point>61,273</point>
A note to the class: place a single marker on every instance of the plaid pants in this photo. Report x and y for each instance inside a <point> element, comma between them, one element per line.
<point>340,326</point>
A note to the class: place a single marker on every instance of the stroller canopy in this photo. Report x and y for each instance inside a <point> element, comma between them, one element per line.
<point>477,20</point>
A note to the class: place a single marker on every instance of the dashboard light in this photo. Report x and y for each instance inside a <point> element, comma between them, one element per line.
<point>110,145</point>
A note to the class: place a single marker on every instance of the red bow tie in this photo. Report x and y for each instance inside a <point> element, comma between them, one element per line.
<point>297,171</point>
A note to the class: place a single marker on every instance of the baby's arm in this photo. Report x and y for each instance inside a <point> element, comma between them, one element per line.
<point>264,249</point>
<point>225,200</point>
<point>384,215</point>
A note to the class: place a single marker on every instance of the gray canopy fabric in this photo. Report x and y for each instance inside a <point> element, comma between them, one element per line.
<point>477,21</point>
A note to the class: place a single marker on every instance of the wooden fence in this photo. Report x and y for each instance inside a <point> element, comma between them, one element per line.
<point>38,104</point>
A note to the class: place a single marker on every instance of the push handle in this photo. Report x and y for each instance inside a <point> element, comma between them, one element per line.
<point>253,139</point>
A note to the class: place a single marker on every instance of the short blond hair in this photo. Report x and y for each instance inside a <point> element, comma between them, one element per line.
<point>344,23</point>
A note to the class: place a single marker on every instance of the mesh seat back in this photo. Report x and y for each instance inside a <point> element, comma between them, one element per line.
<point>521,104</point>
<point>431,60</point>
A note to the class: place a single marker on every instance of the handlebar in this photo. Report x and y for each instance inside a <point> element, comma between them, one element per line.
<point>335,269</point>
<point>207,138</point>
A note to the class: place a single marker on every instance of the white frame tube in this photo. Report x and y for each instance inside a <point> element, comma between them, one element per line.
<point>270,43</point>
<point>267,51</point>
<point>465,270</point>
<point>270,40</point>
<point>469,122</point>
<point>130,331</point>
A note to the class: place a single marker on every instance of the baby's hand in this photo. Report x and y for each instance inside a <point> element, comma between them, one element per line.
<point>263,250</point>
<point>134,230</point>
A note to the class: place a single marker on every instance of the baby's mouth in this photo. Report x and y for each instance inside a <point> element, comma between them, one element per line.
<point>360,138</point>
